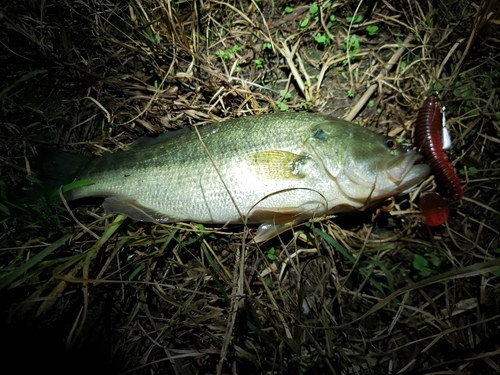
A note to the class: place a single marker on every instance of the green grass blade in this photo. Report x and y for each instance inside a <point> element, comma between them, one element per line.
<point>7,280</point>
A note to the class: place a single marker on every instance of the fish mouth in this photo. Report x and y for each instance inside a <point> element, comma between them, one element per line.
<point>399,167</point>
<point>399,175</point>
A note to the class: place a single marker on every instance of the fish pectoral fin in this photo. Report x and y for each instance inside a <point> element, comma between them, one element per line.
<point>132,209</point>
<point>277,164</point>
<point>275,215</point>
<point>276,221</point>
<point>267,231</point>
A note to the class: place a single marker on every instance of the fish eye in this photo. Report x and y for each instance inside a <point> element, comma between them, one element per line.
<point>390,143</point>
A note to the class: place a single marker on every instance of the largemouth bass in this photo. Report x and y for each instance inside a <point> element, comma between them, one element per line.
<point>275,170</point>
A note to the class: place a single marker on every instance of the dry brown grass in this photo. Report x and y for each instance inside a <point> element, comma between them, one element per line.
<point>337,296</point>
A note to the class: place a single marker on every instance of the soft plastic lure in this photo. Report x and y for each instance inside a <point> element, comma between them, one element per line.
<point>432,138</point>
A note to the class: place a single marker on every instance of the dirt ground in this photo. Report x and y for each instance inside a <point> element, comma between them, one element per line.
<point>377,292</point>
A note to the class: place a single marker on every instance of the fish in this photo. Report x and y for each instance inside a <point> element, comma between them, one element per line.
<point>276,170</point>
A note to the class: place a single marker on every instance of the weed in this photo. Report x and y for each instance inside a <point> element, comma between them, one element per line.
<point>423,263</point>
<point>224,55</point>
<point>322,39</point>
<point>372,30</point>
<point>355,20</point>
<point>351,47</point>
<point>229,54</point>
<point>461,93</point>
<point>281,104</point>
<point>331,21</point>
<point>313,10</point>
<point>313,14</point>
<point>304,23</point>
<point>436,86</point>
<point>259,63</point>
<point>370,104</point>
<point>271,254</point>
<point>471,171</point>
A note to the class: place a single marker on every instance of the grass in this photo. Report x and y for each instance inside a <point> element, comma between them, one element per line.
<point>370,293</point>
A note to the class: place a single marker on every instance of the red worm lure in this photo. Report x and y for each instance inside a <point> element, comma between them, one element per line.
<point>429,138</point>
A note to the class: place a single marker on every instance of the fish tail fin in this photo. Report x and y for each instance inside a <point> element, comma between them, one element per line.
<point>54,167</point>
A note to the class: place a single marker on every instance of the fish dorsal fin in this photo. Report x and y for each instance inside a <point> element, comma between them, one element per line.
<point>167,135</point>
<point>132,209</point>
<point>277,164</point>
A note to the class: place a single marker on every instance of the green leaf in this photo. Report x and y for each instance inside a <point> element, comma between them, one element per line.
<point>434,259</point>
<point>235,49</point>
<point>419,262</point>
<point>313,9</point>
<point>461,93</point>
<point>356,19</point>
<point>351,44</point>
<point>224,55</point>
<point>421,265</point>
<point>371,30</point>
<point>288,10</point>
<point>322,39</point>
<point>282,106</point>
<point>370,104</point>
<point>472,171</point>
<point>271,253</point>
<point>286,95</point>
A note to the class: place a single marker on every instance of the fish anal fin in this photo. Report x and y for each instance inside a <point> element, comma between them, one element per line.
<point>129,207</point>
<point>277,164</point>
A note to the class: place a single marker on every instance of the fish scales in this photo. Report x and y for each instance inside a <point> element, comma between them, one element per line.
<point>179,179</point>
<point>276,170</point>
